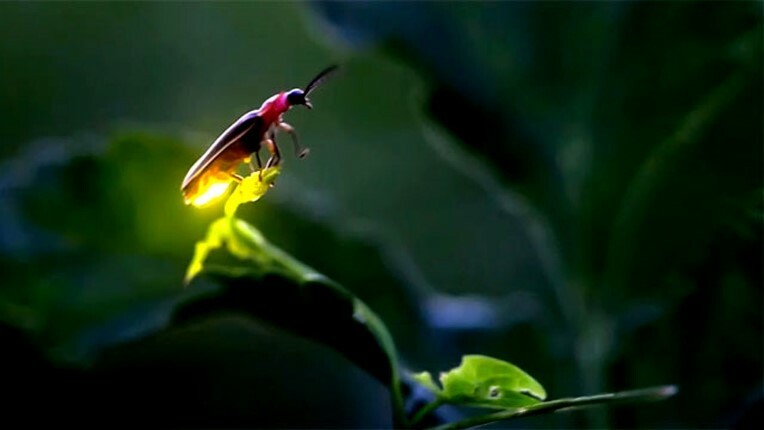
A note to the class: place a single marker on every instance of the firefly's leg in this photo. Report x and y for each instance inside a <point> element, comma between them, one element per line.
<point>236,177</point>
<point>251,143</point>
<point>275,158</point>
<point>275,147</point>
<point>270,144</point>
<point>259,164</point>
<point>299,151</point>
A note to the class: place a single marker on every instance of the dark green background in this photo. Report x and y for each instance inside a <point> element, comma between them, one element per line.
<point>572,187</point>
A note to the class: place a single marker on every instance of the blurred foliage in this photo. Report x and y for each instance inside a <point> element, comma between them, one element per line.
<point>312,304</point>
<point>256,275</point>
<point>572,185</point>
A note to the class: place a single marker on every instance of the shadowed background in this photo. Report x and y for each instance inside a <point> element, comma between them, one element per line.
<point>572,187</point>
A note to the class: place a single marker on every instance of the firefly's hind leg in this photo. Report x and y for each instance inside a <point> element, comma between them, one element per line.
<point>299,151</point>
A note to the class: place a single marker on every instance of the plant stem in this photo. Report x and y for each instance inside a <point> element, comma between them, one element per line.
<point>426,410</point>
<point>645,394</point>
<point>399,411</point>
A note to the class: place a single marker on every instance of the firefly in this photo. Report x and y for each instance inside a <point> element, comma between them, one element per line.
<point>214,171</point>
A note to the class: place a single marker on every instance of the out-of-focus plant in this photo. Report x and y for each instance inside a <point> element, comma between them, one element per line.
<point>599,205</point>
<point>626,136</point>
<point>344,322</point>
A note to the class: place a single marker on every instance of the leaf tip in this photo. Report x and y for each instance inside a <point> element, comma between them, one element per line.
<point>251,188</point>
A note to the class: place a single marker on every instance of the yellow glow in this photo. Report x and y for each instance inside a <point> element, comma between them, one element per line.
<point>251,188</point>
<point>213,191</point>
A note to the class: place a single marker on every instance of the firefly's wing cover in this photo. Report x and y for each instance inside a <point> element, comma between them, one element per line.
<point>249,122</point>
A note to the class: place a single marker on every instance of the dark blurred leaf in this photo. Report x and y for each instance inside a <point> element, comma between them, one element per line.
<point>268,284</point>
<point>363,127</point>
<point>108,272</point>
<point>551,112</point>
<point>89,218</point>
<point>633,129</point>
<point>586,91</point>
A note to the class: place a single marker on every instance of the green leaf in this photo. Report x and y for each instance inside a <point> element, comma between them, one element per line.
<point>491,383</point>
<point>485,382</point>
<point>251,188</point>
<point>425,378</point>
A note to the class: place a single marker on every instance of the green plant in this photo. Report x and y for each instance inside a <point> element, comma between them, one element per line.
<point>323,310</point>
<point>589,172</point>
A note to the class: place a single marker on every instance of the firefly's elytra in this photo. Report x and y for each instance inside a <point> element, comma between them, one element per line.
<point>213,172</point>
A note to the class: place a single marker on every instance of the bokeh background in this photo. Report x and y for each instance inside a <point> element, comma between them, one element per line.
<point>573,187</point>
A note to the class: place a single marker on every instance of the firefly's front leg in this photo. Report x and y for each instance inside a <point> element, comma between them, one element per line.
<point>299,151</point>
<point>270,144</point>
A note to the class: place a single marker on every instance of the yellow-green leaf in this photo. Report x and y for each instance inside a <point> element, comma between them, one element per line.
<point>485,382</point>
<point>251,188</point>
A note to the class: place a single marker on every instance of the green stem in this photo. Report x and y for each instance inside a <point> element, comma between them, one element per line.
<point>426,410</point>
<point>399,410</point>
<point>642,395</point>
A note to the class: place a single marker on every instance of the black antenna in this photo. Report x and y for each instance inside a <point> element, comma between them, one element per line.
<point>320,78</point>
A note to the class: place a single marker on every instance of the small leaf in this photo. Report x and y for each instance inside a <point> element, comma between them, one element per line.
<point>489,382</point>
<point>425,378</point>
<point>251,188</point>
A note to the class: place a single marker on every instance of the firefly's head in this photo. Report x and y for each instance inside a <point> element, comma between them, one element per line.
<point>297,97</point>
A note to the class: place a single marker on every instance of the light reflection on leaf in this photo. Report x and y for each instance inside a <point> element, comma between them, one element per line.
<point>485,382</point>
